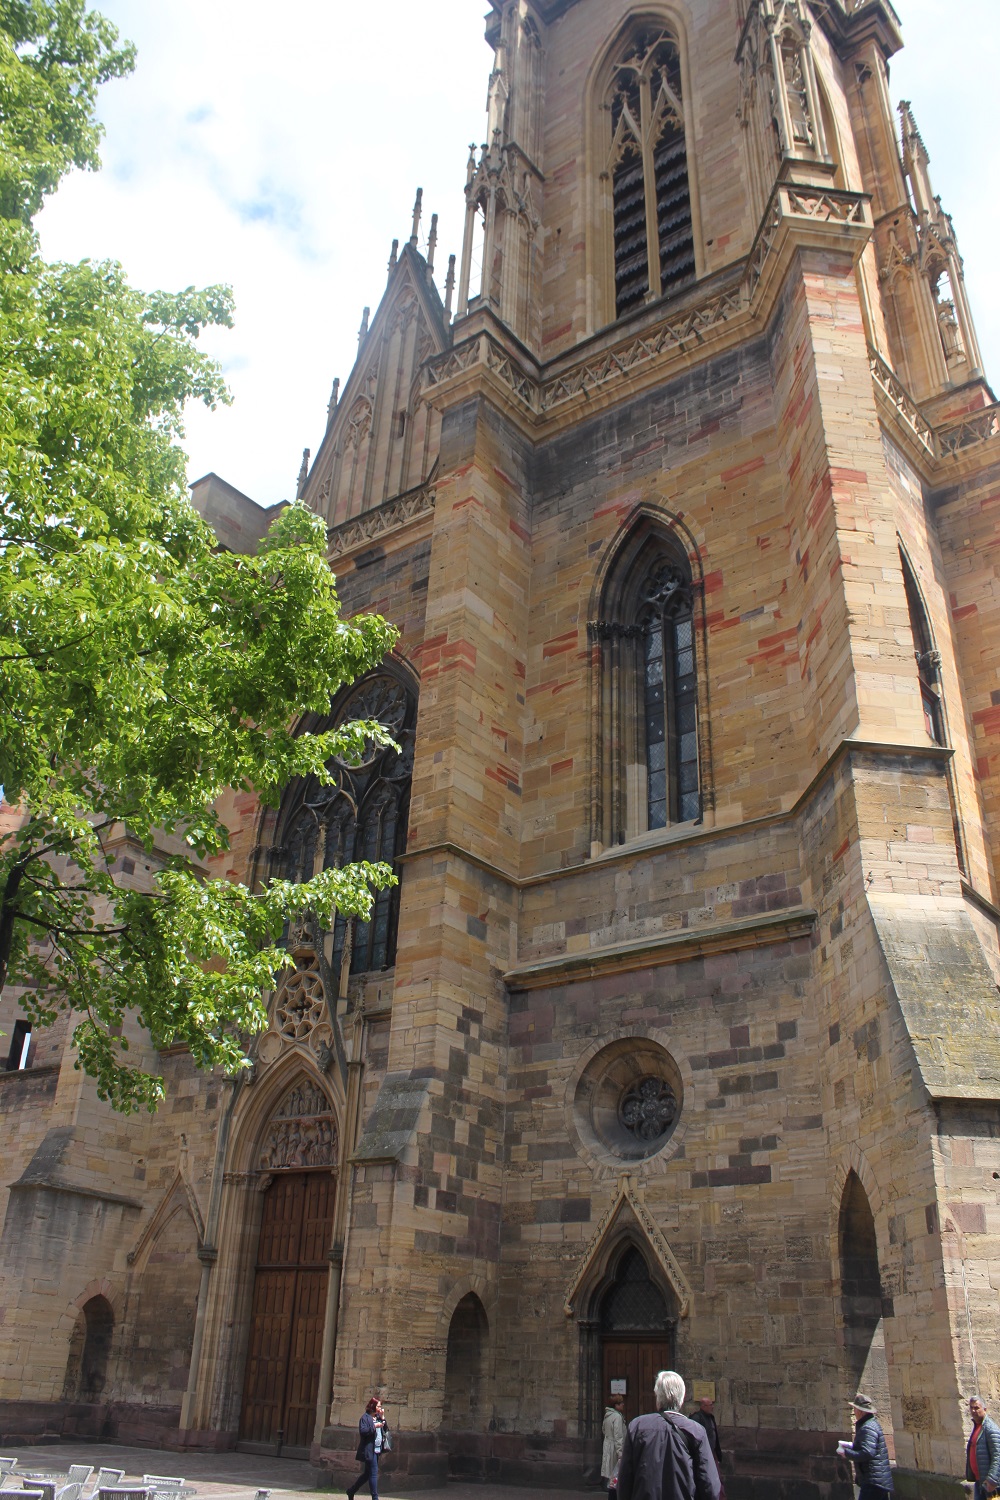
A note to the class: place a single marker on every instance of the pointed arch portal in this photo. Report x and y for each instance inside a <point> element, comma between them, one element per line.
<point>298,1149</point>
<point>637,1330</point>
<point>628,1296</point>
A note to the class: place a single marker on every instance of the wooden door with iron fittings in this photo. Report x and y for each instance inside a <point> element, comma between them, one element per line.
<point>281,1385</point>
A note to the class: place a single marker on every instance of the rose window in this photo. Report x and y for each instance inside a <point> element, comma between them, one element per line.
<point>648,1109</point>
<point>628,1101</point>
<point>301,1005</point>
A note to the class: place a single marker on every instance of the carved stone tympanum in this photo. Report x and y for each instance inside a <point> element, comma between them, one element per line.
<point>302,1132</point>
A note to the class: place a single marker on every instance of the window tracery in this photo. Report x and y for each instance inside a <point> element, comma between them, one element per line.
<point>647,165</point>
<point>648,755</point>
<point>362,814</point>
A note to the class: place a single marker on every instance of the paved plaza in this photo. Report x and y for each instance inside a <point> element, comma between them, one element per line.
<point>237,1476</point>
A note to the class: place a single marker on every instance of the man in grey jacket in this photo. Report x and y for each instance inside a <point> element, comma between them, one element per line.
<point>982,1455</point>
<point>667,1456</point>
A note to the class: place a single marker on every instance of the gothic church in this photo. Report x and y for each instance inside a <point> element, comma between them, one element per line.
<point>677,1042</point>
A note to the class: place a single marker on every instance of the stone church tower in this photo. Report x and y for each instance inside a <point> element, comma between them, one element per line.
<point>677,1043</point>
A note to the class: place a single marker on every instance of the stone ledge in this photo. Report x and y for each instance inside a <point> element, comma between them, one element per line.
<point>671,948</point>
<point>915,1484</point>
<point>45,1183</point>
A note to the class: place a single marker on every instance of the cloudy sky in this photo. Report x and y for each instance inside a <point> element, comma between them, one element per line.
<point>278,149</point>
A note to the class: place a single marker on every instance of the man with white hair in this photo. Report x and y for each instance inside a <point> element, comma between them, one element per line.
<point>667,1456</point>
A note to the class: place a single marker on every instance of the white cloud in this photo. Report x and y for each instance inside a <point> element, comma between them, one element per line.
<point>280,152</point>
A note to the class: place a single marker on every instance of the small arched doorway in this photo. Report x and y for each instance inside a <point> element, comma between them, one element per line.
<point>465,1366</point>
<point>90,1352</point>
<point>862,1305</point>
<point>291,1276</point>
<point>638,1332</point>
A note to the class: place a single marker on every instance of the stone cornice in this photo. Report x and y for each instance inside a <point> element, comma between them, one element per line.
<point>670,948</point>
<point>851,23</point>
<point>372,525</point>
<point>942,453</point>
<point>655,345</point>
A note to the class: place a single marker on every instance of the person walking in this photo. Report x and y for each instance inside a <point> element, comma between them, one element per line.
<point>371,1431</point>
<point>613,1431</point>
<point>666,1456</point>
<point>704,1415</point>
<point>868,1452</point>
<point>982,1455</point>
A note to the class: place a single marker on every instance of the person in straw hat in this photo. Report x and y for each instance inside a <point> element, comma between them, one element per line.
<point>867,1451</point>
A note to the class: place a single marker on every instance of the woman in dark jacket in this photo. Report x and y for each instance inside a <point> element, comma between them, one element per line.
<point>868,1452</point>
<point>371,1430</point>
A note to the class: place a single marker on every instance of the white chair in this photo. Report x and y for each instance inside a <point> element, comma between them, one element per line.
<point>70,1491</point>
<point>7,1466</point>
<point>44,1487</point>
<point>107,1479</point>
<point>79,1473</point>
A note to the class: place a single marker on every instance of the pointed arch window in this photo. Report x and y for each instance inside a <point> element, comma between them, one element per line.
<point>928,660</point>
<point>651,196</point>
<point>649,751</point>
<point>670,694</point>
<point>362,815</point>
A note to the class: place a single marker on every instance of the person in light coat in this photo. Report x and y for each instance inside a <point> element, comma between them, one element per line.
<point>614,1436</point>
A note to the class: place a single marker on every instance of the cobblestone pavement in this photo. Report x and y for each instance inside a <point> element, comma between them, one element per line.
<point>236,1476</point>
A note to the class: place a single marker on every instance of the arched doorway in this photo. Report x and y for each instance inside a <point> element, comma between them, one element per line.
<point>464,1409</point>
<point>861,1301</point>
<point>465,1366</point>
<point>90,1352</point>
<point>637,1330</point>
<point>281,1383</point>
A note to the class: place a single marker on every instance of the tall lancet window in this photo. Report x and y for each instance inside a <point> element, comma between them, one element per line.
<point>927,659</point>
<point>653,232</point>
<point>670,695</point>
<point>651,750</point>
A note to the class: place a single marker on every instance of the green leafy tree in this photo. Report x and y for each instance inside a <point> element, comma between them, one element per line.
<point>142,671</point>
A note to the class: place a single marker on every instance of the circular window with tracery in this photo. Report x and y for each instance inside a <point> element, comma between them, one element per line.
<point>628,1099</point>
<point>647,1109</point>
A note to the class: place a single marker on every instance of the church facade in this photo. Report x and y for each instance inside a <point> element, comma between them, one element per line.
<point>677,1042</point>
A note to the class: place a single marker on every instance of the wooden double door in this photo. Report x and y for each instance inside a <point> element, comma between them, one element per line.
<point>637,1359</point>
<point>281,1384</point>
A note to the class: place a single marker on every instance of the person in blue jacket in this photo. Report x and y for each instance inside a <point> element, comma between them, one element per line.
<point>868,1452</point>
<point>982,1455</point>
<point>371,1432</point>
